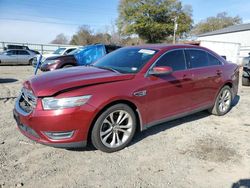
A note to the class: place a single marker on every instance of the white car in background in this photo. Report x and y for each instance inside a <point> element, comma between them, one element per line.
<point>60,51</point>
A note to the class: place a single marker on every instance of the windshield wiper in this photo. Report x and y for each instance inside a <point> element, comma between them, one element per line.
<point>106,68</point>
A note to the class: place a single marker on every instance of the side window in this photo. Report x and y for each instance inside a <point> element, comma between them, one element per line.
<point>174,59</point>
<point>110,48</point>
<point>68,51</point>
<point>23,52</point>
<point>10,52</point>
<point>197,58</point>
<point>213,60</point>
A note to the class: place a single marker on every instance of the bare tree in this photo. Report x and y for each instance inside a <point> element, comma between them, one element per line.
<point>60,39</point>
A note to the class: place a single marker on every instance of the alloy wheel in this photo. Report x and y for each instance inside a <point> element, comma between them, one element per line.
<point>116,129</point>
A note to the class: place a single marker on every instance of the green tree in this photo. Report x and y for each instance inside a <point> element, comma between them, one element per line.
<point>220,21</point>
<point>153,20</point>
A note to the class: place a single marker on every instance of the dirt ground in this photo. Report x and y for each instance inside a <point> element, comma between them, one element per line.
<point>200,150</point>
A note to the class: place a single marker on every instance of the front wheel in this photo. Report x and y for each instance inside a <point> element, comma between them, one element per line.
<point>114,128</point>
<point>223,102</point>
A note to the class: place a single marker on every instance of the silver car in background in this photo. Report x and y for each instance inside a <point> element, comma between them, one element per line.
<point>17,57</point>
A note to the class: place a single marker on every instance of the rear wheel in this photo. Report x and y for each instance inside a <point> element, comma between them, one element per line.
<point>223,102</point>
<point>245,81</point>
<point>114,128</point>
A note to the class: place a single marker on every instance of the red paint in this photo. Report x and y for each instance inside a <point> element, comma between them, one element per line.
<point>167,95</point>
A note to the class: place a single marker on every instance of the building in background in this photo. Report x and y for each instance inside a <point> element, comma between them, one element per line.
<point>232,42</point>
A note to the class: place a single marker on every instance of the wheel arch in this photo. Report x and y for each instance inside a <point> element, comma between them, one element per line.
<point>122,101</point>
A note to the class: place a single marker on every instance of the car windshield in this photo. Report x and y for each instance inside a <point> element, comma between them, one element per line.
<point>126,60</point>
<point>59,51</point>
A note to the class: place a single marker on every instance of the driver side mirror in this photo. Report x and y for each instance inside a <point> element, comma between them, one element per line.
<point>162,70</point>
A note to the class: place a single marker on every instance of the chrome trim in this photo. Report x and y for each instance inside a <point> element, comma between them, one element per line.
<point>140,93</point>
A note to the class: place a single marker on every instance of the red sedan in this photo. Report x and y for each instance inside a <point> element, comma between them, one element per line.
<point>130,89</point>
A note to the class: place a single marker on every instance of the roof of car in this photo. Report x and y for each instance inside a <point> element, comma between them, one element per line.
<point>165,46</point>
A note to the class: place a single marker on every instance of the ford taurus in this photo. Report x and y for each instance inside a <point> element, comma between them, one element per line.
<point>130,89</point>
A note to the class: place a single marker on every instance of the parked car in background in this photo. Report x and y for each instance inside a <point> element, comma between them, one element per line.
<point>81,56</point>
<point>246,60</point>
<point>246,75</point>
<point>130,89</point>
<point>17,56</point>
<point>56,53</point>
<point>20,47</point>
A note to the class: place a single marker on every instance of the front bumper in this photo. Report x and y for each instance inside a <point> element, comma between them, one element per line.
<point>36,124</point>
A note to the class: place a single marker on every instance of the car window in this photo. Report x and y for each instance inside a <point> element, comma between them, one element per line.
<point>110,48</point>
<point>174,59</point>
<point>126,60</point>
<point>11,52</point>
<point>69,50</point>
<point>213,60</point>
<point>59,51</point>
<point>23,52</point>
<point>197,58</point>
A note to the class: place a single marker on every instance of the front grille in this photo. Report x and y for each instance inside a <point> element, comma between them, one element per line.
<point>27,100</point>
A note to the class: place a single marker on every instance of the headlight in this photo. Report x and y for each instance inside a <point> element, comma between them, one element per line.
<point>51,103</point>
<point>51,62</point>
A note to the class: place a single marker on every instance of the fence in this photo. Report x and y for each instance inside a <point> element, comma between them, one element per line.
<point>42,48</point>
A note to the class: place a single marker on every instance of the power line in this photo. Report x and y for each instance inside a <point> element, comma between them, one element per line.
<point>50,22</point>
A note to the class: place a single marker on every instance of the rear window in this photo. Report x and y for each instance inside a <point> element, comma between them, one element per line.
<point>197,58</point>
<point>213,60</point>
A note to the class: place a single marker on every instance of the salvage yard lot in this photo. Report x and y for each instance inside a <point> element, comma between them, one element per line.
<point>200,150</point>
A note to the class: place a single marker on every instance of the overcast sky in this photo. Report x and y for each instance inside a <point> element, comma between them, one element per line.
<point>39,21</point>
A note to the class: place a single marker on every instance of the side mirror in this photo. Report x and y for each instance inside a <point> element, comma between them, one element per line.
<point>163,70</point>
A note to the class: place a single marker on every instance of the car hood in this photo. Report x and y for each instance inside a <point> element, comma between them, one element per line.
<point>49,84</point>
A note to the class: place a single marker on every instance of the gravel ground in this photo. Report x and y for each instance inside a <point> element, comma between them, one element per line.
<point>200,150</point>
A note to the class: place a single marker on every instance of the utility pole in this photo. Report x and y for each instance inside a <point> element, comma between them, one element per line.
<point>175,29</point>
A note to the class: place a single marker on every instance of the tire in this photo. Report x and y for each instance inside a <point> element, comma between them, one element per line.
<point>30,61</point>
<point>106,131</point>
<point>245,81</point>
<point>223,102</point>
<point>67,66</point>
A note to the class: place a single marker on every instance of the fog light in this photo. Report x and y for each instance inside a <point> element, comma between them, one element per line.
<point>59,135</point>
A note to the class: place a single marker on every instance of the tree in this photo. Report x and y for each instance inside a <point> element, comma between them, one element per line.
<point>60,39</point>
<point>82,37</point>
<point>220,21</point>
<point>153,20</point>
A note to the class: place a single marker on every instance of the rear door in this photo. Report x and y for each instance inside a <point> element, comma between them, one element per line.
<point>206,73</point>
<point>9,57</point>
<point>169,95</point>
<point>23,57</point>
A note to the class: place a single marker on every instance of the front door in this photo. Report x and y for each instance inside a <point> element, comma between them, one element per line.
<point>169,95</point>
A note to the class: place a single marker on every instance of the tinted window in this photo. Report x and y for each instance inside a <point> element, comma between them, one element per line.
<point>197,58</point>
<point>174,59</point>
<point>23,52</point>
<point>213,60</point>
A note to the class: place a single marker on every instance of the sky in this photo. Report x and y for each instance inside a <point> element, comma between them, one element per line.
<point>39,21</point>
